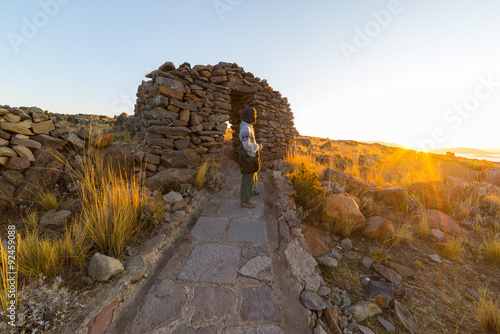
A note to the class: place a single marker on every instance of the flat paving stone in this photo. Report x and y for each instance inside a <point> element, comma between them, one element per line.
<point>249,251</point>
<point>259,304</point>
<point>212,263</point>
<point>163,304</point>
<point>258,268</point>
<point>188,330</point>
<point>255,330</point>
<point>212,302</point>
<point>247,231</point>
<point>210,229</point>
<point>233,209</point>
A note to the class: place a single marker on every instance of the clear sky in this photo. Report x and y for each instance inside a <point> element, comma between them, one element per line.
<point>418,73</point>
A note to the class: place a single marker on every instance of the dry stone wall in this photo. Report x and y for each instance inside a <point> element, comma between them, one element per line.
<point>184,112</point>
<point>37,151</point>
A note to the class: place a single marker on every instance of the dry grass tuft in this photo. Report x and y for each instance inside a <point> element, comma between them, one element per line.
<point>200,176</point>
<point>488,315</point>
<point>422,226</point>
<point>38,256</point>
<point>492,245</point>
<point>402,234</point>
<point>454,248</point>
<point>48,200</point>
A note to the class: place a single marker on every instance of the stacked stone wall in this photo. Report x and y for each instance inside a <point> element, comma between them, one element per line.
<point>184,112</point>
<point>37,151</point>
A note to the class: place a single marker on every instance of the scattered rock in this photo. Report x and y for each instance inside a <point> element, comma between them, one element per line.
<point>54,217</point>
<point>332,319</point>
<point>381,292</point>
<point>437,235</point>
<point>173,197</point>
<point>346,244</point>
<point>405,317</point>
<point>179,205</point>
<point>367,262</point>
<point>102,267</point>
<point>336,254</point>
<point>402,270</point>
<point>386,324</point>
<point>436,258</point>
<point>319,330</point>
<point>365,330</point>
<point>324,291</point>
<point>389,274</point>
<point>365,309</point>
<point>328,261</point>
<point>312,301</point>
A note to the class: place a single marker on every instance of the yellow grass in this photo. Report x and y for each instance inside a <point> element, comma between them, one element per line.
<point>115,209</point>
<point>38,256</point>
<point>493,248</point>
<point>74,246</point>
<point>423,226</point>
<point>299,158</point>
<point>344,227</point>
<point>402,234</point>
<point>200,176</point>
<point>488,315</point>
<point>453,248</point>
<point>31,219</point>
<point>48,200</point>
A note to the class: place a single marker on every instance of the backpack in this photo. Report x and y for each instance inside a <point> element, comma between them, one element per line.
<point>248,164</point>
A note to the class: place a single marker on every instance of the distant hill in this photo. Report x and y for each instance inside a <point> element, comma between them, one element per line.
<point>459,150</point>
<point>384,143</point>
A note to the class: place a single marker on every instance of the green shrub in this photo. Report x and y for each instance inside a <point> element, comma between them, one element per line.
<point>309,190</point>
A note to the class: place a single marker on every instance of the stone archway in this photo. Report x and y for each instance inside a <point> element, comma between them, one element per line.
<point>183,113</point>
<point>239,101</point>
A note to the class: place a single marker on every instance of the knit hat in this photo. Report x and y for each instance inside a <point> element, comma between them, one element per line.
<point>249,115</point>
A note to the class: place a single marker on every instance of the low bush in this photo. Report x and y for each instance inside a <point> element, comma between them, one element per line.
<point>310,192</point>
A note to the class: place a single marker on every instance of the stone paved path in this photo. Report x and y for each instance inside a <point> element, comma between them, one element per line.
<point>221,278</point>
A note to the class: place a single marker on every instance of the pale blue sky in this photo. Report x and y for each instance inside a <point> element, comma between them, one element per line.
<point>416,62</point>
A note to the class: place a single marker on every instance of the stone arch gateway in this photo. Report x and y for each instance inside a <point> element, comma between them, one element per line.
<point>184,112</point>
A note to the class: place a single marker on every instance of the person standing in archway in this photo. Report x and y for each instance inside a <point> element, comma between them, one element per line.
<point>249,157</point>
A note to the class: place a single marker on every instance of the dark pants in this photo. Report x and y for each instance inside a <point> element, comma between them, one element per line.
<point>248,184</point>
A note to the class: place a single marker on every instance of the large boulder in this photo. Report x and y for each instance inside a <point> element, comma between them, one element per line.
<point>176,175</point>
<point>445,223</point>
<point>351,184</point>
<point>102,267</point>
<point>343,208</point>
<point>430,193</point>
<point>118,160</point>
<point>181,159</point>
<point>394,197</point>
<point>44,173</point>
<point>378,227</point>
